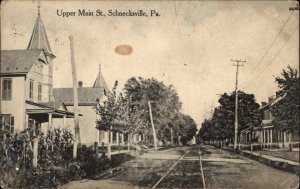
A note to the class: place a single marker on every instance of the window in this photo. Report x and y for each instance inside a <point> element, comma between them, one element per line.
<point>41,68</point>
<point>40,92</point>
<point>31,89</point>
<point>8,122</point>
<point>6,89</point>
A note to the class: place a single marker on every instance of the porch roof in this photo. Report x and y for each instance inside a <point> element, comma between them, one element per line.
<point>41,111</point>
<point>248,129</point>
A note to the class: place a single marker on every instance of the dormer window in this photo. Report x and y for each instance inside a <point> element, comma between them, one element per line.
<point>39,67</point>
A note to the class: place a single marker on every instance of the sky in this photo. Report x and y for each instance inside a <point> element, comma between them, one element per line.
<point>190,45</point>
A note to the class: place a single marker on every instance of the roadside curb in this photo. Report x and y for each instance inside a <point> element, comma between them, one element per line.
<point>276,162</point>
<point>271,161</point>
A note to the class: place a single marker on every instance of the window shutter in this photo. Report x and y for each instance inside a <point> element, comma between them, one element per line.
<point>12,123</point>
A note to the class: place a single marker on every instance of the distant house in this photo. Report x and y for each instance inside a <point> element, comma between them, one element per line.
<point>266,133</point>
<point>26,85</point>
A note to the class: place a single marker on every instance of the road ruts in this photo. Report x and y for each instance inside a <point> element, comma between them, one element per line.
<point>184,173</point>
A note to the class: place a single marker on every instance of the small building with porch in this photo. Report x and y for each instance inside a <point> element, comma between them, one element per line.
<point>266,134</point>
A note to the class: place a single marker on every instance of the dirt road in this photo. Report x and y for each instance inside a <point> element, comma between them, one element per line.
<point>179,168</point>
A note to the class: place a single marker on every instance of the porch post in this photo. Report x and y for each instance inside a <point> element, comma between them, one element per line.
<point>122,138</point>
<point>111,136</point>
<point>268,137</point>
<point>34,125</point>
<point>49,121</point>
<point>97,138</point>
<point>264,137</point>
<point>26,120</point>
<point>117,137</point>
<point>284,138</point>
<point>64,123</point>
<point>271,135</point>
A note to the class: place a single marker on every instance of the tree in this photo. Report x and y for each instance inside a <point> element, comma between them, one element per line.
<point>188,130</point>
<point>164,101</point>
<point>205,130</point>
<point>130,112</point>
<point>221,125</point>
<point>108,110</point>
<point>286,109</point>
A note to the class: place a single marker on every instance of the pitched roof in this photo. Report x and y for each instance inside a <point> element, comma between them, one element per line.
<point>100,81</point>
<point>273,102</point>
<point>54,105</point>
<point>86,95</point>
<point>20,61</point>
<point>39,38</point>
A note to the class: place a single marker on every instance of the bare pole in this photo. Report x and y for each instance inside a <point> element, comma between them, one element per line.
<point>152,124</point>
<point>236,99</point>
<point>75,93</point>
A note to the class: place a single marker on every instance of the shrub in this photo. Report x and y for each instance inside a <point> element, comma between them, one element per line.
<point>74,171</point>
<point>92,164</point>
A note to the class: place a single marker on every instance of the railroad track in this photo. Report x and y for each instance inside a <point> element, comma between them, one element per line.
<point>181,159</point>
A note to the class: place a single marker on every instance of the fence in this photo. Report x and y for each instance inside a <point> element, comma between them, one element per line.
<point>292,146</point>
<point>107,149</point>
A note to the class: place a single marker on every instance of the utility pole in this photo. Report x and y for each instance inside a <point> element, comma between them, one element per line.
<point>75,93</point>
<point>239,63</point>
<point>153,129</point>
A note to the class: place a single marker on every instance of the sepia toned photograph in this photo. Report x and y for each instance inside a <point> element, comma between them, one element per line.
<point>149,94</point>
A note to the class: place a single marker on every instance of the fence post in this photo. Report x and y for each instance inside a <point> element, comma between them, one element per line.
<point>96,149</point>
<point>251,147</point>
<point>35,152</point>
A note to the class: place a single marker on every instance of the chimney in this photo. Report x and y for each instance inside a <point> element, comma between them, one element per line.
<point>80,83</point>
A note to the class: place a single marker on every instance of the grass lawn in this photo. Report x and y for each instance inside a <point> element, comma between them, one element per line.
<point>293,156</point>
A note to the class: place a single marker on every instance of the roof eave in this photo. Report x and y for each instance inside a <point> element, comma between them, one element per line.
<point>14,74</point>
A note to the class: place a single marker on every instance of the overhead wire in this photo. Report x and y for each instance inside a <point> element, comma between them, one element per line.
<point>278,52</point>
<point>248,79</point>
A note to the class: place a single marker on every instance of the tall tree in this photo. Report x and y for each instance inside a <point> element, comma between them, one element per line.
<point>286,109</point>
<point>221,125</point>
<point>188,130</point>
<point>164,101</point>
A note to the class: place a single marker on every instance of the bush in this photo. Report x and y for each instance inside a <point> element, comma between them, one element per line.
<point>90,163</point>
<point>74,171</point>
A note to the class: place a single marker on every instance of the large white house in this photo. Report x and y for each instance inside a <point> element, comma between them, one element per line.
<point>26,84</point>
<point>28,98</point>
